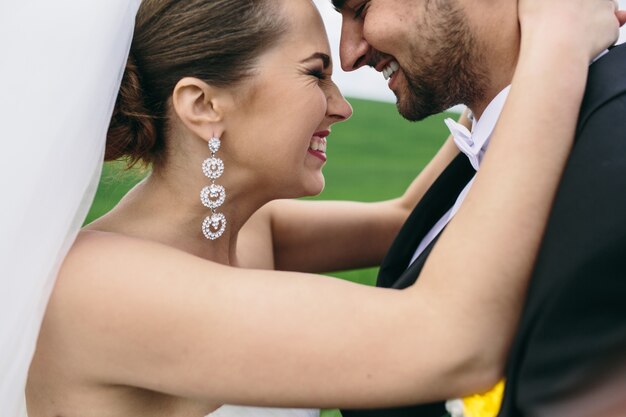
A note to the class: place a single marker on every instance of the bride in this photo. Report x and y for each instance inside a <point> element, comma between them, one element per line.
<point>169,306</point>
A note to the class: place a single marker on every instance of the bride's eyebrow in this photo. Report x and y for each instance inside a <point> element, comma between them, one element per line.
<point>319,55</point>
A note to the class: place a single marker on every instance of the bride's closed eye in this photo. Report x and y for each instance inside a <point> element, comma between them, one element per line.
<point>318,73</point>
<point>314,69</point>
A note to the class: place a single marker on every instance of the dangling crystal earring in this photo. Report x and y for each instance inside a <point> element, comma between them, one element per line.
<point>214,195</point>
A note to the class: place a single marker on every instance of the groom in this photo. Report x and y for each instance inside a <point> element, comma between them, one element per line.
<point>572,334</point>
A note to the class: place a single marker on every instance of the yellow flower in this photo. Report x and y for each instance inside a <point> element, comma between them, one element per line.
<point>484,405</point>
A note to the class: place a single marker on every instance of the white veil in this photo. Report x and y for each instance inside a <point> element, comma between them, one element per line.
<point>61,64</point>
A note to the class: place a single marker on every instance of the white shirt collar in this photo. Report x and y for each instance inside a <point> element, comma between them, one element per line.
<point>474,144</point>
<point>483,128</point>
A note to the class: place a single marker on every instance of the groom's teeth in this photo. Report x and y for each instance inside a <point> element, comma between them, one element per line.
<point>390,69</point>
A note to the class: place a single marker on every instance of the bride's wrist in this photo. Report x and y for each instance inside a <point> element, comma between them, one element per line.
<point>551,77</point>
<point>577,33</point>
<point>544,42</point>
<point>553,56</point>
<point>563,72</point>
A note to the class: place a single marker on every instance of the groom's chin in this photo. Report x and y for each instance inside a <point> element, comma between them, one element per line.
<point>416,107</point>
<point>413,113</point>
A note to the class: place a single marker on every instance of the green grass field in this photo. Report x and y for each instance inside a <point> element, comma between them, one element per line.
<point>374,156</point>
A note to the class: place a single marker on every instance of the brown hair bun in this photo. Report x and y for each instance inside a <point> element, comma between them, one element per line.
<point>132,133</point>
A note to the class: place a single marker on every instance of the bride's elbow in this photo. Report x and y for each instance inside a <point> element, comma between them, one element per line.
<point>477,372</point>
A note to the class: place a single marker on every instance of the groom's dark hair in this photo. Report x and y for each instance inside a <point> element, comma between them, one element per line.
<point>217,41</point>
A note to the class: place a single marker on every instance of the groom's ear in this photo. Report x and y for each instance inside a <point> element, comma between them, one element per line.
<point>201,107</point>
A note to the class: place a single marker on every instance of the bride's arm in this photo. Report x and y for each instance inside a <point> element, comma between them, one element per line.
<point>140,314</point>
<point>298,232</point>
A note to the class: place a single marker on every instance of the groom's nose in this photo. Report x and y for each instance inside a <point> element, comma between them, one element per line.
<point>353,48</point>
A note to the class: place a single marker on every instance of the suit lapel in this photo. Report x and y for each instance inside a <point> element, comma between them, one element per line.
<point>394,273</point>
<point>409,276</point>
<point>436,202</point>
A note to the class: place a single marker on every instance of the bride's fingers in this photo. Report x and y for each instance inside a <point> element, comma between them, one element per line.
<point>592,25</point>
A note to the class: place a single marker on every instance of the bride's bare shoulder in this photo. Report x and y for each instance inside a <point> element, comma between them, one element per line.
<point>100,243</point>
<point>114,256</point>
<point>107,275</point>
<point>113,292</point>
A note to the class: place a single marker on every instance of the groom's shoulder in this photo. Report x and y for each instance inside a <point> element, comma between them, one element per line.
<point>607,81</point>
<point>609,69</point>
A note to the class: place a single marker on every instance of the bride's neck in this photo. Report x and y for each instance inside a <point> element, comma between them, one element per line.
<point>168,209</point>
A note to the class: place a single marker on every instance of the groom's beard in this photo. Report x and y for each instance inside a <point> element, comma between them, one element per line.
<point>449,68</point>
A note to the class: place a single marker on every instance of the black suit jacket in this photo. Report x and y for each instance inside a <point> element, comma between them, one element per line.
<point>573,328</point>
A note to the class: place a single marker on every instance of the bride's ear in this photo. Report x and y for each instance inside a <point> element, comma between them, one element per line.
<point>201,107</point>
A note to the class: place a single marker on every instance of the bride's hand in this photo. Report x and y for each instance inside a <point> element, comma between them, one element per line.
<point>587,26</point>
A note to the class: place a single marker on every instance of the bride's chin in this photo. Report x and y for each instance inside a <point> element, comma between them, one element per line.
<point>316,188</point>
<point>310,189</point>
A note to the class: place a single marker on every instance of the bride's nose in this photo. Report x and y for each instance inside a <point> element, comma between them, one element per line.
<point>338,109</point>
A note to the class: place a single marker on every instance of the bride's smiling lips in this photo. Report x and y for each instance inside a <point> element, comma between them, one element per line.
<point>317,147</point>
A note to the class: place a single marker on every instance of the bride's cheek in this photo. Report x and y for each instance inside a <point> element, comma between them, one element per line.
<point>323,104</point>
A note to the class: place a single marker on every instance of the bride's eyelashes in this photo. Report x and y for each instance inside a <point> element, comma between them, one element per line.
<point>317,73</point>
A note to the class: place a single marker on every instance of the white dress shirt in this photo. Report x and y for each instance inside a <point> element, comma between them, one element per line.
<point>474,145</point>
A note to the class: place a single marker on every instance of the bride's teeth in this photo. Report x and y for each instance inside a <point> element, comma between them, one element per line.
<point>322,147</point>
<point>314,146</point>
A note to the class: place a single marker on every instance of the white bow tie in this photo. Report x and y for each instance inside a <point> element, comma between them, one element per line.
<point>463,140</point>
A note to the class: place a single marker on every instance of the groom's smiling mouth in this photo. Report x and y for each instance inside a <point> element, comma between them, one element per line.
<point>389,68</point>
